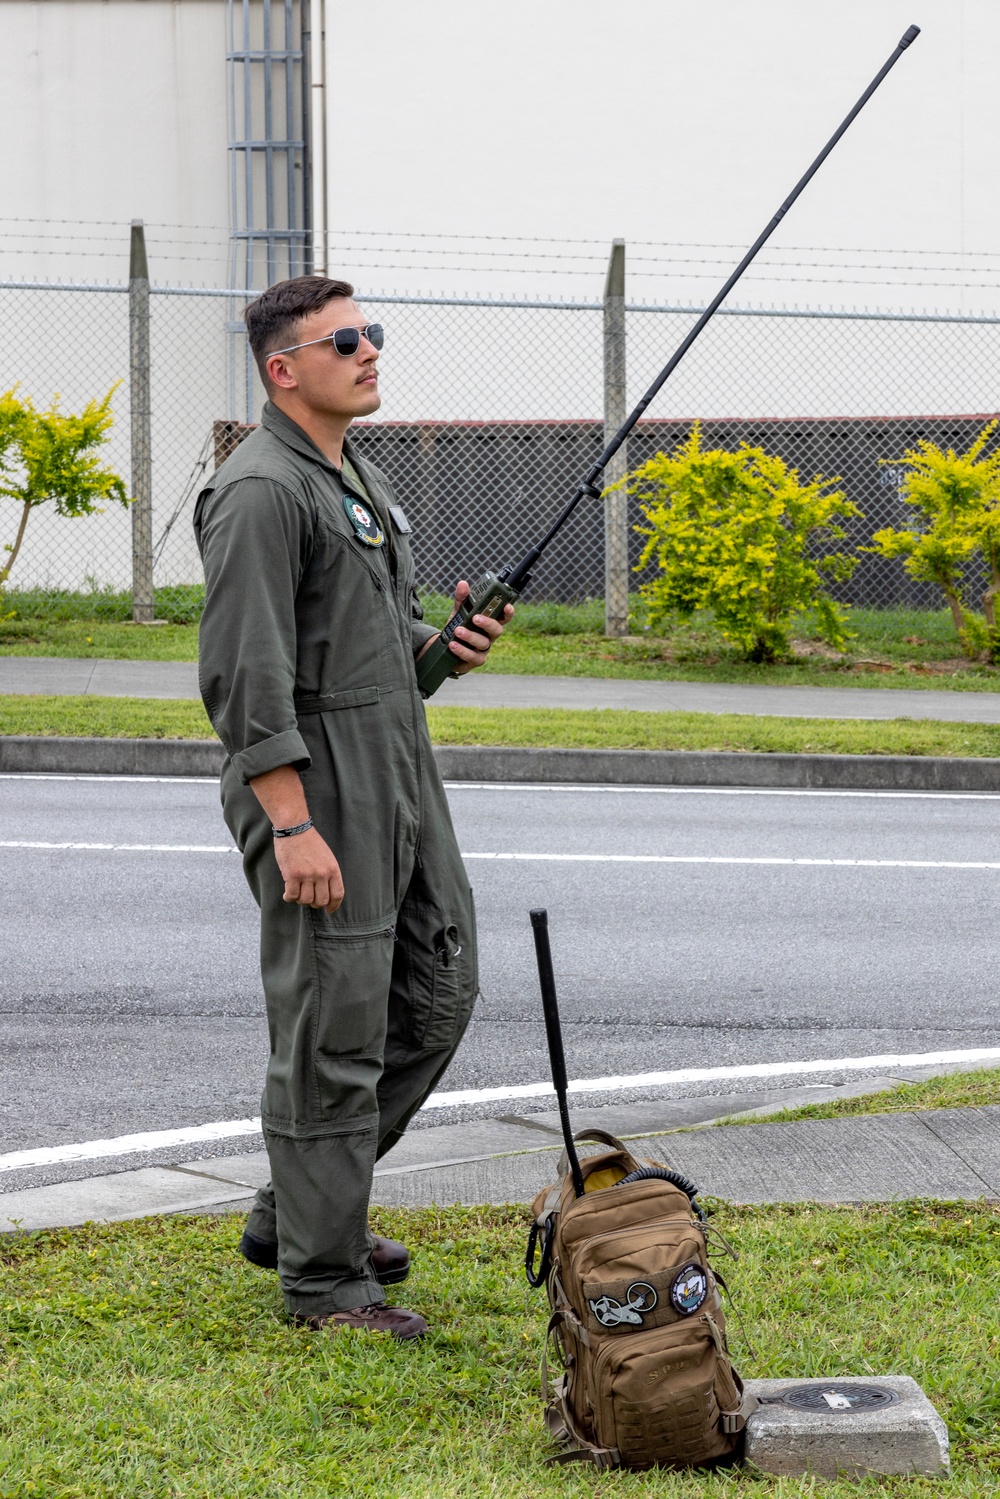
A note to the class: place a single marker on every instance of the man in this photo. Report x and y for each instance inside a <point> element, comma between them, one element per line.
<point>368,944</point>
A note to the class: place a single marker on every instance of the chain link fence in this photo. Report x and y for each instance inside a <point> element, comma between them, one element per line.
<point>491,413</point>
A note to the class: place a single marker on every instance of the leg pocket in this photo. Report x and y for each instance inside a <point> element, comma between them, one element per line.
<point>349,1024</point>
<point>439,960</point>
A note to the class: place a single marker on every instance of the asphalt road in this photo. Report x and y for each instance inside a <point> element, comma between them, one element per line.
<point>129,998</point>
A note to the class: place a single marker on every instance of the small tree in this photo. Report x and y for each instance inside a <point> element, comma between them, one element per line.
<point>957,497</point>
<point>737,533</point>
<point>47,455</point>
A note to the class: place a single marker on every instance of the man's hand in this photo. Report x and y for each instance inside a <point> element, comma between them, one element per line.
<point>471,646</point>
<point>307,864</point>
<point>310,871</point>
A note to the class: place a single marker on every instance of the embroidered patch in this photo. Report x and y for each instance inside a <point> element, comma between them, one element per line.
<point>639,1299</point>
<point>689,1289</point>
<point>367,527</point>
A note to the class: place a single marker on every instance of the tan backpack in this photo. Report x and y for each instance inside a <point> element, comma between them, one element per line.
<point>637,1319</point>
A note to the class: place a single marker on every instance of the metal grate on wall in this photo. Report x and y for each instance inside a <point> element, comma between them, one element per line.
<point>268,159</point>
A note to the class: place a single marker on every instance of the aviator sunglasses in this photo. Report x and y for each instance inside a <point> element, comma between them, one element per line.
<point>346,341</point>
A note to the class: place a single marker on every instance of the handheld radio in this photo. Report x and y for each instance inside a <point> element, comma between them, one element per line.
<point>494,591</point>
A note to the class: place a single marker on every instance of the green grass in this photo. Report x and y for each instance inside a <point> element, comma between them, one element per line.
<point>592,728</point>
<point>105,717</point>
<point>608,728</point>
<point>98,639</point>
<point>147,1359</point>
<point>891,648</point>
<point>180,603</point>
<point>957,1090</point>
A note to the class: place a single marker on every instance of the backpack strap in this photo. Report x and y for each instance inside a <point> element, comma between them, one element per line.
<point>734,1420</point>
<point>601,1137</point>
<point>558,1416</point>
<point>596,1137</point>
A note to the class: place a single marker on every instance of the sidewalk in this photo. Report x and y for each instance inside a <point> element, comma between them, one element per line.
<point>179,679</point>
<point>949,1154</point>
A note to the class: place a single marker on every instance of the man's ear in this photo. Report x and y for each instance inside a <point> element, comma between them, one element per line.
<point>279,373</point>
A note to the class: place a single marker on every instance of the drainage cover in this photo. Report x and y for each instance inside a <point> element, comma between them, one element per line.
<point>839,1396</point>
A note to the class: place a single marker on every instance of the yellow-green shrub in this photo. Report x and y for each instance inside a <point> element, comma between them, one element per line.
<point>738,533</point>
<point>957,499</point>
<point>47,455</point>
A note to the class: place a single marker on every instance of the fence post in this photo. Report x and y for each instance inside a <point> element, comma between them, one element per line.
<point>142,450</point>
<point>616,574</point>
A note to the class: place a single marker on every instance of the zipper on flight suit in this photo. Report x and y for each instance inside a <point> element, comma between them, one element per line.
<point>406,641</point>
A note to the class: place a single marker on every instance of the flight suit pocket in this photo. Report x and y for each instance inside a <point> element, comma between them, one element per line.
<point>440,988</point>
<point>436,997</point>
<point>352,983</point>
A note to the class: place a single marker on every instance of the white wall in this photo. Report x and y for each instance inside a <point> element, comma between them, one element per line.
<point>671,120</point>
<point>658,120</point>
<point>113,110</point>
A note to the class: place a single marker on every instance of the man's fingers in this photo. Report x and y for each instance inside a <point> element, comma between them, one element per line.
<point>291,894</point>
<point>473,640</point>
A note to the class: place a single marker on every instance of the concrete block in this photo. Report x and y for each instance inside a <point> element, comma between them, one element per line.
<point>845,1426</point>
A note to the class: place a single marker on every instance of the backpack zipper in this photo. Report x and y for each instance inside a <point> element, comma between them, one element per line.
<point>613,1233</point>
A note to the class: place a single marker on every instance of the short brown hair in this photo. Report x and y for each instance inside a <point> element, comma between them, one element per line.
<point>273,318</point>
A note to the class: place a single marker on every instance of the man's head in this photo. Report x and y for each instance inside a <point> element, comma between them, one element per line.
<point>290,328</point>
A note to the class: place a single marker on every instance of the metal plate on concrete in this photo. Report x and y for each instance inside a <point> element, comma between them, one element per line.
<point>837,1397</point>
<point>795,1431</point>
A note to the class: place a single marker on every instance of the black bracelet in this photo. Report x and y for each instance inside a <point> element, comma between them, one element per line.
<point>300,827</point>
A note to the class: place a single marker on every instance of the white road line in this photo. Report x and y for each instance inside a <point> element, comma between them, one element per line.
<point>89,1150</point>
<point>127,848</point>
<point>556,787</point>
<point>157,1139</point>
<point>727,859</point>
<point>714,1074</point>
<point>543,858</point>
<point>560,786</point>
<point>51,775</point>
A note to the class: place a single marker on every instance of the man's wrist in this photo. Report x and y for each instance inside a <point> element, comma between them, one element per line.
<point>292,832</point>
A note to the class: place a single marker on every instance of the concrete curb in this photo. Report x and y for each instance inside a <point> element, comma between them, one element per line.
<point>204,757</point>
<point>718,768</point>
<point>120,757</point>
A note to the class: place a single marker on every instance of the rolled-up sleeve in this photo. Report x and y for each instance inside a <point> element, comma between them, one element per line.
<point>255,537</point>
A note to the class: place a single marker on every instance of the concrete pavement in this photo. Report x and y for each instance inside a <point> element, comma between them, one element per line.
<point>485,689</point>
<point>946,1154</point>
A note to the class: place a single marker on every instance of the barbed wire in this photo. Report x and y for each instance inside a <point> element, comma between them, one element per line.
<point>212,252</point>
<point>122,225</point>
<point>668,260</point>
<point>121,254</point>
<point>685,244</point>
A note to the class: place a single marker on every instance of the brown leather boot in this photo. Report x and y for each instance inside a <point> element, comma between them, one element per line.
<point>394,1320</point>
<point>390,1261</point>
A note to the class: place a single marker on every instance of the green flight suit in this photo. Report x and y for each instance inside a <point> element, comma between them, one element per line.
<point>307,649</point>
